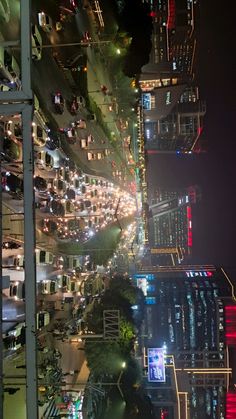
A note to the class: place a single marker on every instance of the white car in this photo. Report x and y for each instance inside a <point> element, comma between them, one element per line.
<point>36,43</point>
<point>39,135</point>
<point>16,261</point>
<point>83,143</point>
<point>45,22</point>
<point>43,257</point>
<point>17,290</point>
<point>48,287</point>
<point>91,156</point>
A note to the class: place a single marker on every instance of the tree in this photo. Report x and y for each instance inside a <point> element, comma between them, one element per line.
<point>122,285</point>
<point>103,356</point>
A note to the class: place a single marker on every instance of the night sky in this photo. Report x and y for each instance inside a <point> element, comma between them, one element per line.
<point>214,222</point>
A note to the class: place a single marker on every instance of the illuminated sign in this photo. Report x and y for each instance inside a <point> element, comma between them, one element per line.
<point>156,365</point>
<point>189,220</point>
<point>142,284</point>
<point>193,274</point>
<point>146,101</point>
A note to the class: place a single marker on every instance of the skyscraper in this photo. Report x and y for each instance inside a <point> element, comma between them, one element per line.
<point>173,111</point>
<point>186,315</point>
<point>170,225</point>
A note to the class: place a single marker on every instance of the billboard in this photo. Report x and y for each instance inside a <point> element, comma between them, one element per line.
<point>156,365</point>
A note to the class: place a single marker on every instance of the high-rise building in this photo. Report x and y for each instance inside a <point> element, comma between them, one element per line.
<point>190,314</point>
<point>173,118</point>
<point>170,225</point>
<point>173,112</point>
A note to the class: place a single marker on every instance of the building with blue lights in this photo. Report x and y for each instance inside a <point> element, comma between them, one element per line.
<point>185,315</point>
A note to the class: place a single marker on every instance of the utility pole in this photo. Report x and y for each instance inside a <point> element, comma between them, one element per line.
<point>21,102</point>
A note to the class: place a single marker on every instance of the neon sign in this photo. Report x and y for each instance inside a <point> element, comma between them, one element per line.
<point>194,274</point>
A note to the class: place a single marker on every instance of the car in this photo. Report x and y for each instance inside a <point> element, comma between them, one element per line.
<point>83,143</point>
<point>16,262</point>
<point>90,139</point>
<point>86,39</point>
<point>44,161</point>
<point>12,183</point>
<point>80,124</point>
<point>74,105</point>
<point>92,117</point>
<point>40,184</point>
<point>53,141</point>
<point>12,68</point>
<point>100,156</point>
<point>17,290</point>
<point>75,5</point>
<point>13,128</point>
<point>59,185</point>
<point>57,208</point>
<point>36,40</point>
<point>11,245</point>
<point>45,22</point>
<point>44,257</point>
<point>81,101</point>
<point>15,337</point>
<point>48,287</point>
<point>58,102</point>
<point>42,319</point>
<point>91,156</point>
<point>63,282</point>
<point>70,135</point>
<point>39,135</point>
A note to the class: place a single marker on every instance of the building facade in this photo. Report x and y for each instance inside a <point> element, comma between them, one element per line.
<point>173,111</point>
<point>186,313</point>
<point>170,225</point>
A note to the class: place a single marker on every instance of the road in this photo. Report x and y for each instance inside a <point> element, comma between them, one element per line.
<point>72,360</point>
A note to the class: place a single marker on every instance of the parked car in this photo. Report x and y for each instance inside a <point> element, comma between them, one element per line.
<point>16,262</point>
<point>17,290</point>
<point>36,40</point>
<point>58,102</point>
<point>13,127</point>
<point>39,135</point>
<point>45,22</point>
<point>15,337</point>
<point>12,183</point>
<point>42,319</point>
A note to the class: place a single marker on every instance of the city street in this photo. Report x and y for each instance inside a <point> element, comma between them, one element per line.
<point>81,188</point>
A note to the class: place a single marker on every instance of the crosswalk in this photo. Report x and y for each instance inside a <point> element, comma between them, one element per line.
<point>51,411</point>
